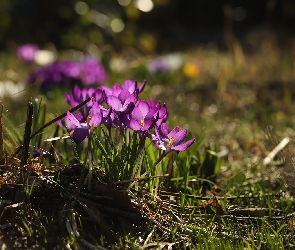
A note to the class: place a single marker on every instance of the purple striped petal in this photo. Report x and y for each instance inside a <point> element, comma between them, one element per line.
<point>71,119</point>
<point>124,95</point>
<point>183,146</point>
<point>77,93</point>
<point>179,137</point>
<point>96,120</point>
<point>130,86</point>
<point>135,125</point>
<point>106,90</point>
<point>115,103</point>
<point>132,98</point>
<point>164,130</point>
<point>148,125</point>
<point>116,90</point>
<point>136,114</point>
<point>151,103</point>
<point>141,87</point>
<point>173,131</point>
<point>152,112</point>
<point>144,108</point>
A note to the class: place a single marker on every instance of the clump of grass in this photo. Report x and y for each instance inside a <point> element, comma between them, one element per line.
<point>218,194</point>
<point>168,210</point>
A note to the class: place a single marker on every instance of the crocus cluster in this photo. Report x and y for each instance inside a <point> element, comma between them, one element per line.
<point>119,107</point>
<point>87,72</point>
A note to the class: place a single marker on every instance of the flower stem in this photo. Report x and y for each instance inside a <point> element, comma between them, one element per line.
<point>155,164</point>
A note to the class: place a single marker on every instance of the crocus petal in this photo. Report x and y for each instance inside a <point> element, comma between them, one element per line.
<point>107,113</point>
<point>163,111</point>
<point>183,146</point>
<point>98,95</point>
<point>144,107</point>
<point>152,113</point>
<point>77,93</point>
<point>80,134</point>
<point>72,102</point>
<point>148,125</point>
<point>161,143</point>
<point>116,90</point>
<point>151,102</point>
<point>84,94</point>
<point>130,86</point>
<point>106,90</point>
<point>136,114</point>
<point>172,132</point>
<point>124,95</point>
<point>179,137</point>
<point>70,118</point>
<point>163,129</point>
<point>130,102</point>
<point>132,98</point>
<point>96,120</point>
<point>135,125</point>
<point>114,102</point>
<point>94,109</point>
<point>141,87</point>
<point>128,107</point>
<point>157,132</point>
<point>162,120</point>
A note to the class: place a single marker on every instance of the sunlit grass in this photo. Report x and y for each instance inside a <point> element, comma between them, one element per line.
<point>227,107</point>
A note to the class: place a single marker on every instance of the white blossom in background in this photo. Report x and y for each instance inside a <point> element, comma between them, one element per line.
<point>174,60</point>
<point>45,57</point>
<point>166,63</point>
<point>11,89</point>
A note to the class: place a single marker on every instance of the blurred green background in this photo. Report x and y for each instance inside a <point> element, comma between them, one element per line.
<point>151,26</point>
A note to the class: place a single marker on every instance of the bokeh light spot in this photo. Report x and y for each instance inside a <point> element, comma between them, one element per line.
<point>117,25</point>
<point>191,69</point>
<point>45,57</point>
<point>99,19</point>
<point>124,2</point>
<point>81,8</point>
<point>145,5</point>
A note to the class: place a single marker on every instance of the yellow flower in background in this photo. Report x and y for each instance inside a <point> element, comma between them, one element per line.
<point>191,69</point>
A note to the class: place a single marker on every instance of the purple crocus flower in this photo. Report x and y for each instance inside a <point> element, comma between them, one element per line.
<point>27,52</point>
<point>112,121</point>
<point>67,72</point>
<point>70,69</point>
<point>170,141</point>
<point>99,114</point>
<point>122,101</point>
<point>47,76</point>
<point>79,95</point>
<point>142,118</point>
<point>129,85</point>
<point>162,113</point>
<point>92,72</point>
<point>80,130</point>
